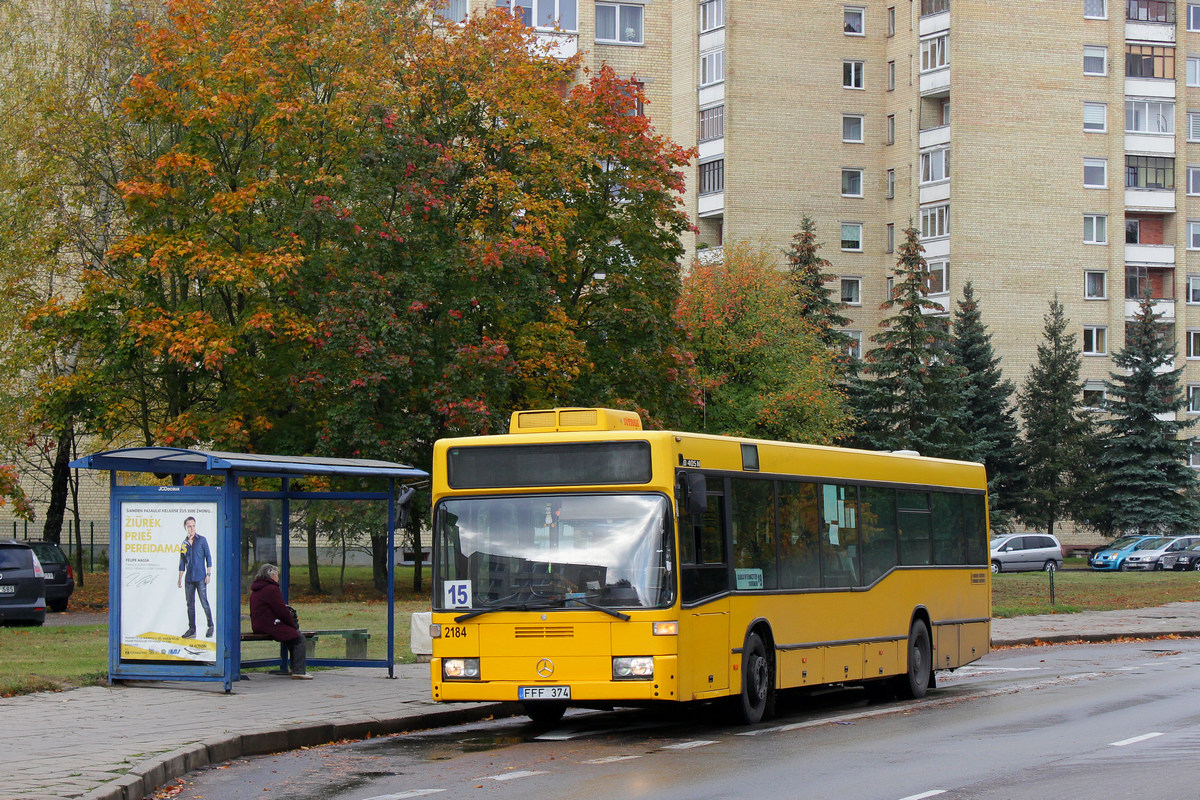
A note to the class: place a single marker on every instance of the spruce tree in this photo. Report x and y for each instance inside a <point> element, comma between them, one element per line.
<point>1144,482</point>
<point>1058,432</point>
<point>807,277</point>
<point>911,398</point>
<point>988,403</point>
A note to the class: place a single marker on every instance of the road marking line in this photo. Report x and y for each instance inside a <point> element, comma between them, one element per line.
<point>688,745</point>
<point>923,795</point>
<point>611,759</point>
<point>508,776</point>
<point>402,795</point>
<point>1134,740</point>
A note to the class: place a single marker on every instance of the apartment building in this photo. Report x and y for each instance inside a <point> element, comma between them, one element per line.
<point>1074,135</point>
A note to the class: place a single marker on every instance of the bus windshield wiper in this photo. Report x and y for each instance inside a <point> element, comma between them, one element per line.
<point>589,604</point>
<point>557,602</point>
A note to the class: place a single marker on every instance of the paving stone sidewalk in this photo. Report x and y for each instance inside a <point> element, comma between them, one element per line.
<point>122,743</point>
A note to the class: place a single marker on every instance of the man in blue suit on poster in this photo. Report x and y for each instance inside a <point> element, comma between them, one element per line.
<point>195,571</point>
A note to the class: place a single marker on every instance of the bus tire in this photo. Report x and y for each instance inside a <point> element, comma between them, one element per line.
<point>919,677</point>
<point>544,712</point>
<point>758,681</point>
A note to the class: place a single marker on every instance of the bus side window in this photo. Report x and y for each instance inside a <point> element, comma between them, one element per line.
<point>948,541</point>
<point>799,547</point>
<point>878,532</point>
<point>975,529</point>
<point>839,535</point>
<point>916,534</point>
<point>708,574</point>
<point>753,503</point>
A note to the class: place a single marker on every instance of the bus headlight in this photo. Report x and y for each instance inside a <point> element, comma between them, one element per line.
<point>633,668</point>
<point>460,668</point>
<point>666,628</point>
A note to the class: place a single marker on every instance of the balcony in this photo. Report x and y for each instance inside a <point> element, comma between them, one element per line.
<point>710,255</point>
<point>1150,254</point>
<point>1161,11</point>
<point>935,16</point>
<point>935,81</point>
<point>931,137</point>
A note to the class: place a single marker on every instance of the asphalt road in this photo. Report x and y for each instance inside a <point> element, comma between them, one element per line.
<point>72,617</point>
<point>1105,721</point>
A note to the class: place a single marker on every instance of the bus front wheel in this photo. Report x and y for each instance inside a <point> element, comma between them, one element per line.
<point>758,681</point>
<point>919,677</point>
<point>544,712</point>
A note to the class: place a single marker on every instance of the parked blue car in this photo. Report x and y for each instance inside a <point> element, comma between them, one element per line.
<point>1113,557</point>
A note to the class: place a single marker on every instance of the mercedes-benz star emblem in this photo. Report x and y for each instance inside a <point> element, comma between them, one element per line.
<point>545,668</point>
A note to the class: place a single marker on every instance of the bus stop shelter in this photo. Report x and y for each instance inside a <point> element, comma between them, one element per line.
<point>169,544</point>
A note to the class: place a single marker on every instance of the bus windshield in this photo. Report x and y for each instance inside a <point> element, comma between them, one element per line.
<point>573,550</point>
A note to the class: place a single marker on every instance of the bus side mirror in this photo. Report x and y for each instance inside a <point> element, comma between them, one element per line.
<point>692,495</point>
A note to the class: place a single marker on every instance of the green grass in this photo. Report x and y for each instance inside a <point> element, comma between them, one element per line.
<point>1023,593</point>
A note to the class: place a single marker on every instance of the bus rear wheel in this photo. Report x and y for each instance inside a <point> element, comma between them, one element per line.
<point>544,712</point>
<point>758,681</point>
<point>919,678</point>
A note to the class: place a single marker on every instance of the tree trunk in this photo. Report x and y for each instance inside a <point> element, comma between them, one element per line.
<point>379,565</point>
<point>59,479</point>
<point>314,573</point>
<point>413,532</point>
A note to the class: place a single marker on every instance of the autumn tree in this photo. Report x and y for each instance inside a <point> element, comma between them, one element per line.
<point>764,370</point>
<point>1058,433</point>
<point>910,397</point>
<point>988,405</point>
<point>1144,483</point>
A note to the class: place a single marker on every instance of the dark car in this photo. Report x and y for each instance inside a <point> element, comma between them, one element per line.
<point>60,577</point>
<point>22,584</point>
<point>1182,559</point>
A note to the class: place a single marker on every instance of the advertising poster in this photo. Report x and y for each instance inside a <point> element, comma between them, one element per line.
<point>169,581</point>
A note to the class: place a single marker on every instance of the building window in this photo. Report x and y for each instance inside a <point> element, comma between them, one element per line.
<point>1149,61</point>
<point>1193,235</point>
<point>852,182</point>
<point>938,281</point>
<point>1193,405</point>
<point>1193,71</point>
<point>1095,9</point>
<point>1095,60</point>
<point>712,176</point>
<point>1193,343</point>
<point>852,291</point>
<point>1095,173</point>
<point>712,67</point>
<point>1095,117</point>
<point>890,238</point>
<point>854,20</point>
<point>1095,285</point>
<point>1095,229</point>
<point>712,123</point>
<point>712,15</point>
<point>1193,180</point>
<point>1193,123</point>
<point>935,221</point>
<point>451,10</point>
<point>929,7</point>
<point>1133,231</point>
<point>852,75</point>
<point>852,236</point>
<point>548,15</point>
<point>891,76</point>
<point>852,128</point>
<point>854,346</point>
<point>1158,282</point>
<point>1193,17</point>
<point>1094,397</point>
<point>618,23</point>
<point>944,107</point>
<point>935,165</point>
<point>890,185</point>
<point>1095,340</point>
<point>1149,116</point>
<point>890,129</point>
<point>935,53</point>
<point>891,21</point>
<point>1149,172</point>
<point>1193,289</point>
<point>1150,11</point>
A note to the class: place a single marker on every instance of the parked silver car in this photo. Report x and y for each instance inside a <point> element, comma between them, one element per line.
<point>1149,556</point>
<point>1026,551</point>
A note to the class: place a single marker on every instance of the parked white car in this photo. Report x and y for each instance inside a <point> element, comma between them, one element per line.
<point>1026,551</point>
<point>1149,556</point>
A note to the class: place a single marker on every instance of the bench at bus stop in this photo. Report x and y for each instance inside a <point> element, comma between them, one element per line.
<point>356,640</point>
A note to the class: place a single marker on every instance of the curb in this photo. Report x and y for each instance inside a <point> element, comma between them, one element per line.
<point>148,776</point>
<point>1062,638</point>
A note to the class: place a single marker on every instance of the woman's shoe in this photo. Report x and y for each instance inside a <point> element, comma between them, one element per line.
<point>301,676</point>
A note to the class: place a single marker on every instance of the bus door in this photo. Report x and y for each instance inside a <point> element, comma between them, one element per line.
<point>704,653</point>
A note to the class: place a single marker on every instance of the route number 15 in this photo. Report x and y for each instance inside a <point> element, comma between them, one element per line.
<point>457,594</point>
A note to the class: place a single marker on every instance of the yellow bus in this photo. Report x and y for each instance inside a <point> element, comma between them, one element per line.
<point>580,560</point>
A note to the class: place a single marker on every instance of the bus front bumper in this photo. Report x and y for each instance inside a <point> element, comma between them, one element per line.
<point>663,686</point>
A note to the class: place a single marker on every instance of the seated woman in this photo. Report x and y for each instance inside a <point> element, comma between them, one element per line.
<point>271,616</point>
